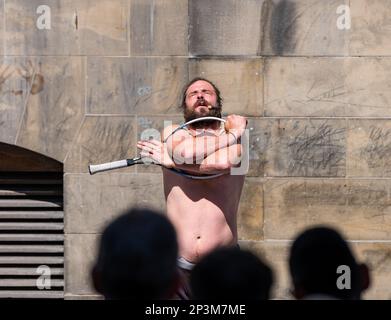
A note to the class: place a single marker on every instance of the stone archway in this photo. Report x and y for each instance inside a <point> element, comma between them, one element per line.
<point>31,224</point>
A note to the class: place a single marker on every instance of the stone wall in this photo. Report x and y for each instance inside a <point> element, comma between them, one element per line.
<point>317,97</point>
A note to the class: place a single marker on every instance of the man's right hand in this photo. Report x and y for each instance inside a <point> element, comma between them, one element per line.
<point>156,151</point>
<point>236,124</point>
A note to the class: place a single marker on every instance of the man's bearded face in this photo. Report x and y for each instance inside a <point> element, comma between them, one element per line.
<point>201,101</point>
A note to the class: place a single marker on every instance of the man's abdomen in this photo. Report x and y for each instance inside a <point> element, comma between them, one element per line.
<point>201,224</point>
<point>193,245</point>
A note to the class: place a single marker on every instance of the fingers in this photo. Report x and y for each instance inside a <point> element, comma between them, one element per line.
<point>146,154</point>
<point>149,149</point>
<point>148,142</point>
<point>150,146</point>
<point>154,142</point>
<point>150,157</point>
<point>145,148</point>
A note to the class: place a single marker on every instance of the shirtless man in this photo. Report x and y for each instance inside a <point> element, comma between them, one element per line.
<point>203,212</point>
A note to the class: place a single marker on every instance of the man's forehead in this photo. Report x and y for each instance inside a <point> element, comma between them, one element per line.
<point>199,85</point>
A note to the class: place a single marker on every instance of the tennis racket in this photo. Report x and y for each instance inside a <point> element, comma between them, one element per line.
<point>138,160</point>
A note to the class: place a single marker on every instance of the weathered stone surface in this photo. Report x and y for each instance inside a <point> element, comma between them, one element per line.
<point>260,140</point>
<point>80,255</point>
<point>15,83</point>
<point>149,127</point>
<point>92,27</point>
<point>371,28</point>
<point>90,202</point>
<point>100,140</point>
<point>273,27</point>
<point>250,213</point>
<point>302,147</point>
<point>158,28</point>
<point>303,27</point>
<point>135,85</point>
<point>225,27</point>
<point>360,207</point>
<point>53,95</point>
<point>328,87</point>
<point>304,86</point>
<point>367,87</point>
<point>368,148</point>
<point>239,81</point>
<point>377,257</point>
<point>2,27</point>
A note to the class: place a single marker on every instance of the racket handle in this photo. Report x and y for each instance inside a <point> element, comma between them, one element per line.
<point>107,166</point>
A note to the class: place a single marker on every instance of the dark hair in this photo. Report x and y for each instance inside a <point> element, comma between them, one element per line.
<point>137,256</point>
<point>183,96</point>
<point>231,273</point>
<point>314,258</point>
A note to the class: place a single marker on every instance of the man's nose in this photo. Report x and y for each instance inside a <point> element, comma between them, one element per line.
<point>200,96</point>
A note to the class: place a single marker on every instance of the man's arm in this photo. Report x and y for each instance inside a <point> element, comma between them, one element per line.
<point>193,150</point>
<point>219,161</point>
<point>187,149</point>
<point>222,160</point>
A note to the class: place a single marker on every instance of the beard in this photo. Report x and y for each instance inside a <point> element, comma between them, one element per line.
<point>192,113</point>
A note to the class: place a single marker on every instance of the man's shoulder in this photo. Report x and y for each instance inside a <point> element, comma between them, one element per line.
<point>171,130</point>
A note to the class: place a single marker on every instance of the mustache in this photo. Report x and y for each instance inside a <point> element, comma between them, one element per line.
<point>206,103</point>
<point>191,114</point>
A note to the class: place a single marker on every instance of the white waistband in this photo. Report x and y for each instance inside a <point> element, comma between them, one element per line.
<point>184,264</point>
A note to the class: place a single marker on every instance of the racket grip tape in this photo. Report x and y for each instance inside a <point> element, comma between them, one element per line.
<point>107,166</point>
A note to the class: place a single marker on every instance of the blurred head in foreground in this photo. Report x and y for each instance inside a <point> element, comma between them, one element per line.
<point>322,266</point>
<point>231,273</point>
<point>137,257</point>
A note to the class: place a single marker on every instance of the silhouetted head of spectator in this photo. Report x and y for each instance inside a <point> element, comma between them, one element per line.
<point>322,264</point>
<point>231,273</point>
<point>137,257</point>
